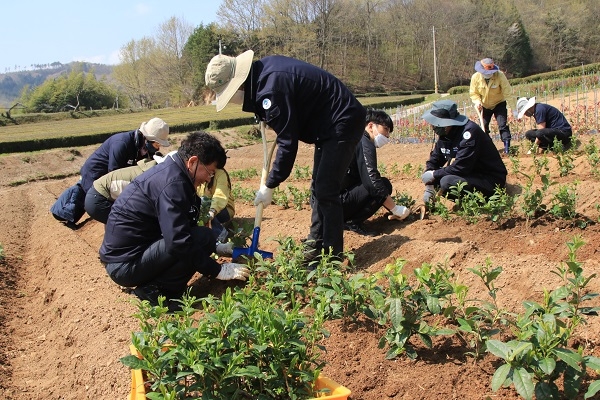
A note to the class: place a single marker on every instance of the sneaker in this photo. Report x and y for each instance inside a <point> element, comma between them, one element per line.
<point>358,228</point>
<point>225,249</point>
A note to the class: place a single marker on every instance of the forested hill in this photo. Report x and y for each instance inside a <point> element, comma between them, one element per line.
<point>12,83</point>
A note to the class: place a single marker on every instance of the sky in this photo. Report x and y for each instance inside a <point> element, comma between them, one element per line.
<point>42,31</point>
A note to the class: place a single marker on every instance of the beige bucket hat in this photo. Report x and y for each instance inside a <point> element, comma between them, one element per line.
<point>225,75</point>
<point>156,130</point>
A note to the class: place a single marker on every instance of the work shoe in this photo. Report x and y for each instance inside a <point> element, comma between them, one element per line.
<point>358,228</point>
<point>225,249</point>
<point>149,292</point>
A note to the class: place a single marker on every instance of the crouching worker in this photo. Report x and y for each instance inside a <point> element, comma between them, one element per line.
<point>152,241</point>
<point>364,189</point>
<point>550,123</point>
<point>462,153</point>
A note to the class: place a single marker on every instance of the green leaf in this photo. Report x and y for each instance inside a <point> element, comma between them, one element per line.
<point>592,390</point>
<point>396,313</point>
<point>498,348</point>
<point>523,382</point>
<point>545,390</point>
<point>547,365</point>
<point>593,363</point>
<point>133,362</point>
<point>433,305</point>
<point>500,376</point>
<point>465,325</point>
<point>426,339</point>
<point>573,359</point>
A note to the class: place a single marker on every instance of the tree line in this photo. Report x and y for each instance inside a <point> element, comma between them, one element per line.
<point>374,46</point>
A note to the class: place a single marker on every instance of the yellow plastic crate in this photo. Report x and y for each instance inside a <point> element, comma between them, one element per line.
<point>337,391</point>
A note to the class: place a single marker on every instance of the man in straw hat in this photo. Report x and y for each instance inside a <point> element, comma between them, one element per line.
<point>462,153</point>
<point>489,90</point>
<point>551,123</point>
<point>300,102</point>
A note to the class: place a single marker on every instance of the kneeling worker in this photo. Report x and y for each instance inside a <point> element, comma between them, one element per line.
<point>152,241</point>
<point>462,153</point>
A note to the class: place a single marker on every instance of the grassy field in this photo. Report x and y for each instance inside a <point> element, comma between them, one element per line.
<point>76,124</point>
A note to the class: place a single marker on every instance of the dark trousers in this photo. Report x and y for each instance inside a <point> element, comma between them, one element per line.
<point>331,161</point>
<point>359,205</point>
<point>170,272</point>
<point>479,182</point>
<point>501,114</point>
<point>546,137</point>
<point>97,206</point>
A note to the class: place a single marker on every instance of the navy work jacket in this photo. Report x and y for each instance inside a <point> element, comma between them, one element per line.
<point>468,151</point>
<point>159,203</point>
<point>118,151</point>
<point>300,102</point>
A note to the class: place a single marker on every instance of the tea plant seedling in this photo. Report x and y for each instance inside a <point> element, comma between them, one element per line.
<point>539,355</point>
<point>404,199</point>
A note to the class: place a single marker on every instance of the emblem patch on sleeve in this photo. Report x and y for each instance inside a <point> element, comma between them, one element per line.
<point>466,135</point>
<point>266,104</point>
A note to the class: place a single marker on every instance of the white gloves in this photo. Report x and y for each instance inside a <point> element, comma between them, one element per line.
<point>399,213</point>
<point>427,177</point>
<point>225,249</point>
<point>429,194</point>
<point>231,271</point>
<point>264,196</point>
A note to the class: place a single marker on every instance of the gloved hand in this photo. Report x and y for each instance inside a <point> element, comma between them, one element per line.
<point>211,214</point>
<point>427,177</point>
<point>264,196</point>
<point>399,213</point>
<point>429,194</point>
<point>231,271</point>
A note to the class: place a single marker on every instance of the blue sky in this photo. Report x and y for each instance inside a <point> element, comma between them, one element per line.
<point>42,31</point>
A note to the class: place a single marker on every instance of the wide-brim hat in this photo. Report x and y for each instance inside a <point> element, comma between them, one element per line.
<point>524,104</point>
<point>444,113</point>
<point>486,66</point>
<point>225,75</point>
<point>156,130</point>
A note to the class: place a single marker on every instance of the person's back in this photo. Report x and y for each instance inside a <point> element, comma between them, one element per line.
<point>111,185</point>
<point>317,100</point>
<point>118,151</point>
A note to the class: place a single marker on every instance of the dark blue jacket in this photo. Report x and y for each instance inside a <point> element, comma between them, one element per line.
<point>159,203</point>
<point>470,152</point>
<point>363,170</point>
<point>300,102</point>
<point>118,151</point>
<point>553,118</point>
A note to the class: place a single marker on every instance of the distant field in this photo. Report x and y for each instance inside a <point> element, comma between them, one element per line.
<point>178,118</point>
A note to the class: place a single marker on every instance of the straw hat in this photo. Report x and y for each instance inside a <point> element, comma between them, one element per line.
<point>225,75</point>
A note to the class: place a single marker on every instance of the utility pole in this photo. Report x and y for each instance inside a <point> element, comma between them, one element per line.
<point>435,77</point>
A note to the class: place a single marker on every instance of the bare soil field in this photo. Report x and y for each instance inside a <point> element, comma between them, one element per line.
<point>64,324</point>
